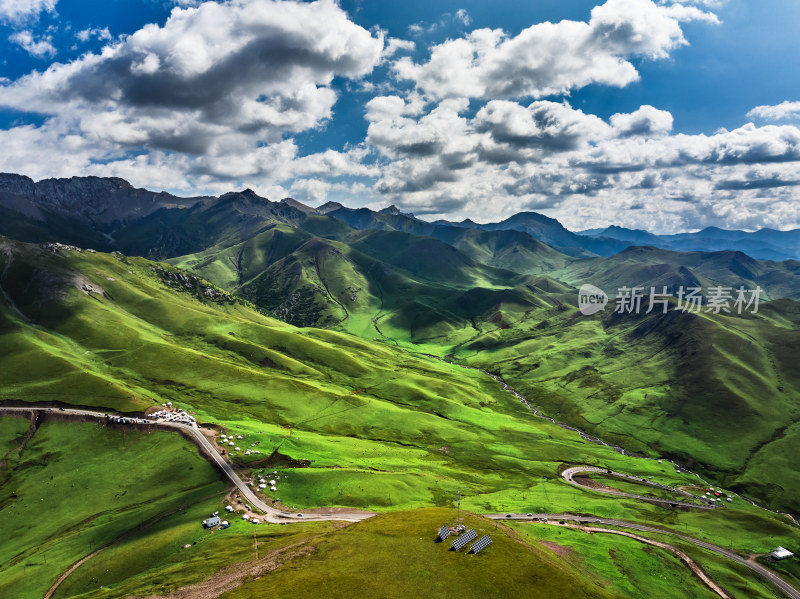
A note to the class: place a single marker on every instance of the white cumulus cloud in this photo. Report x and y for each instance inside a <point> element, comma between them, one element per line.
<point>39,46</point>
<point>553,58</point>
<point>207,96</point>
<point>15,11</point>
<point>776,112</point>
<point>85,35</point>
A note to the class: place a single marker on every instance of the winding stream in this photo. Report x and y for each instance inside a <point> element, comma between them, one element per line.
<point>592,439</point>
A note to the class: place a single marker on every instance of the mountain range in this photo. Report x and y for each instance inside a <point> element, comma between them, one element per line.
<point>109,213</point>
<point>717,390</point>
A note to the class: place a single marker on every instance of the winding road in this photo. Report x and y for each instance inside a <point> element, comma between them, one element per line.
<point>569,474</point>
<point>203,443</point>
<point>275,515</point>
<point>769,575</point>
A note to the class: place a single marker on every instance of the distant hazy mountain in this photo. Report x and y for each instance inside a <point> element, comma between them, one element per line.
<point>647,266</point>
<point>766,244</point>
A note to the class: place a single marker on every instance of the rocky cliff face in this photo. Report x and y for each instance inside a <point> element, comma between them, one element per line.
<point>103,200</point>
<point>16,184</point>
<point>108,213</point>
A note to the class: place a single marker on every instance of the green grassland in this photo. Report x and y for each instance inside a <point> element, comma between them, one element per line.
<point>627,486</point>
<point>12,434</point>
<point>157,473</point>
<point>62,496</point>
<point>718,392</point>
<point>377,426</point>
<point>394,555</point>
<point>624,565</point>
<point>155,562</point>
<point>634,567</point>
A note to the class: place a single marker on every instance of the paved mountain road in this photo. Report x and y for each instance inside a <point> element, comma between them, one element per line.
<point>769,575</point>
<point>275,515</point>
<point>569,474</point>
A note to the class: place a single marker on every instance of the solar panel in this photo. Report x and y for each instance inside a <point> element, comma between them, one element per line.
<point>480,544</point>
<point>464,539</point>
<point>444,532</point>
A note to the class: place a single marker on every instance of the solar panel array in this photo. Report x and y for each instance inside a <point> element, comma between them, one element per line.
<point>444,532</point>
<point>480,544</point>
<point>464,539</point>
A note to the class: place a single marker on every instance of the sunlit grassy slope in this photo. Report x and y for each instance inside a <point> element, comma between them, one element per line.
<point>718,391</point>
<point>373,282</point>
<point>379,427</point>
<point>133,524</point>
<point>394,556</point>
<point>120,333</point>
<point>71,488</point>
<point>631,566</point>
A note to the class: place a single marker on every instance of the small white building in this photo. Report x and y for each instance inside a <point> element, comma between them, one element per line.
<point>245,517</point>
<point>780,553</point>
<point>228,508</point>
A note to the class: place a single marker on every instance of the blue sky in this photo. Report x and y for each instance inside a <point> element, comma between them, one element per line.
<point>657,114</point>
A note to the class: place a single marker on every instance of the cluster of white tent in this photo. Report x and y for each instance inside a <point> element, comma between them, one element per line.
<point>173,415</point>
<point>272,482</point>
<point>230,441</point>
<point>709,497</point>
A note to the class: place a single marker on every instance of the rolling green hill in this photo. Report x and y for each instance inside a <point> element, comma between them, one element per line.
<point>373,282</point>
<point>394,556</point>
<point>721,392</point>
<point>374,425</point>
<point>125,333</point>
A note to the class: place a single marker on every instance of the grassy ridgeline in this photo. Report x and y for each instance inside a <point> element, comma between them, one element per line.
<point>394,556</point>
